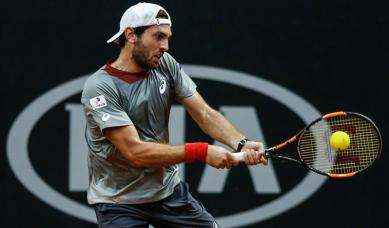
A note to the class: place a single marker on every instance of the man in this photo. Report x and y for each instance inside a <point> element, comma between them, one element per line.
<point>133,170</point>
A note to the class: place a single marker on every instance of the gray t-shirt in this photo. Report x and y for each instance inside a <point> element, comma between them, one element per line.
<point>112,98</point>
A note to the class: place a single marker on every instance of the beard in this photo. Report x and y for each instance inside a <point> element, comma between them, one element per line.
<point>139,54</point>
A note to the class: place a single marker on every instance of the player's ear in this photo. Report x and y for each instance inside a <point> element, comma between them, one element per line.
<point>130,35</point>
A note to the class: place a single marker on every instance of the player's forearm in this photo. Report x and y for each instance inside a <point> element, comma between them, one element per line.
<point>140,153</point>
<point>155,155</point>
<point>218,127</point>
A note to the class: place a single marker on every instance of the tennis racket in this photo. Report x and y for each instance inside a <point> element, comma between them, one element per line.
<point>315,152</point>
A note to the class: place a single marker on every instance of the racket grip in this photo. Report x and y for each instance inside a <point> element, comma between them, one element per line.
<point>238,156</point>
<point>266,154</point>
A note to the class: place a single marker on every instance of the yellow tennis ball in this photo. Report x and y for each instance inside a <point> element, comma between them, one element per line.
<point>340,140</point>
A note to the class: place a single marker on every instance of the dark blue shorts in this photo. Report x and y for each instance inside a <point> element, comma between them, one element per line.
<point>178,210</point>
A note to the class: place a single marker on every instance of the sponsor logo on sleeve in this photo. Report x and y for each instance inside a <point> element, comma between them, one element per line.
<point>105,117</point>
<point>98,102</point>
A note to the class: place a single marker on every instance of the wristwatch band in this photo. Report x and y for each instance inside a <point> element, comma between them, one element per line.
<point>241,144</point>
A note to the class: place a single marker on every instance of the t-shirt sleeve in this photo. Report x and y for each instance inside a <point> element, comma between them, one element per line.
<point>183,84</point>
<point>101,103</point>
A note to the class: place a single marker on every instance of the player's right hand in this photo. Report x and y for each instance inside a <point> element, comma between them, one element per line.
<point>220,158</point>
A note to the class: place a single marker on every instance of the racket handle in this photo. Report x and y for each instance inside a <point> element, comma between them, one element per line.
<point>238,156</point>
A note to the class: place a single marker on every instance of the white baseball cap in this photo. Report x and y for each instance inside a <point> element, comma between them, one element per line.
<point>141,14</point>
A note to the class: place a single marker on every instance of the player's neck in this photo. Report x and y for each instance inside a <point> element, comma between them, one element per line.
<point>126,63</point>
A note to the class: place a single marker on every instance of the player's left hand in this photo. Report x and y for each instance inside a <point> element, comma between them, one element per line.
<point>254,153</point>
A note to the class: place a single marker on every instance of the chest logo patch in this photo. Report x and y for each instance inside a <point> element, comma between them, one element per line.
<point>162,87</point>
<point>98,102</point>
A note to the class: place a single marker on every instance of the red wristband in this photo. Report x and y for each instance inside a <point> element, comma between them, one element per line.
<point>196,151</point>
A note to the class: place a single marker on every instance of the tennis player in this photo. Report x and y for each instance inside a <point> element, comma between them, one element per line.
<point>133,170</point>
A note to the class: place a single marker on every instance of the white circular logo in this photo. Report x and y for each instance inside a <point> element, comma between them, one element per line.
<point>162,87</point>
<point>18,140</point>
<point>105,117</point>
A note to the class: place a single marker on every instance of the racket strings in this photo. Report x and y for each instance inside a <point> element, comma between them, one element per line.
<point>316,151</point>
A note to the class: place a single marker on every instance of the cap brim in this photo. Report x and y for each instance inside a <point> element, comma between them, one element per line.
<point>114,38</point>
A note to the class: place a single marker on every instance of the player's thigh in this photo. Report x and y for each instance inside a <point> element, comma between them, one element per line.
<point>182,210</point>
<point>119,216</point>
<point>193,215</point>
